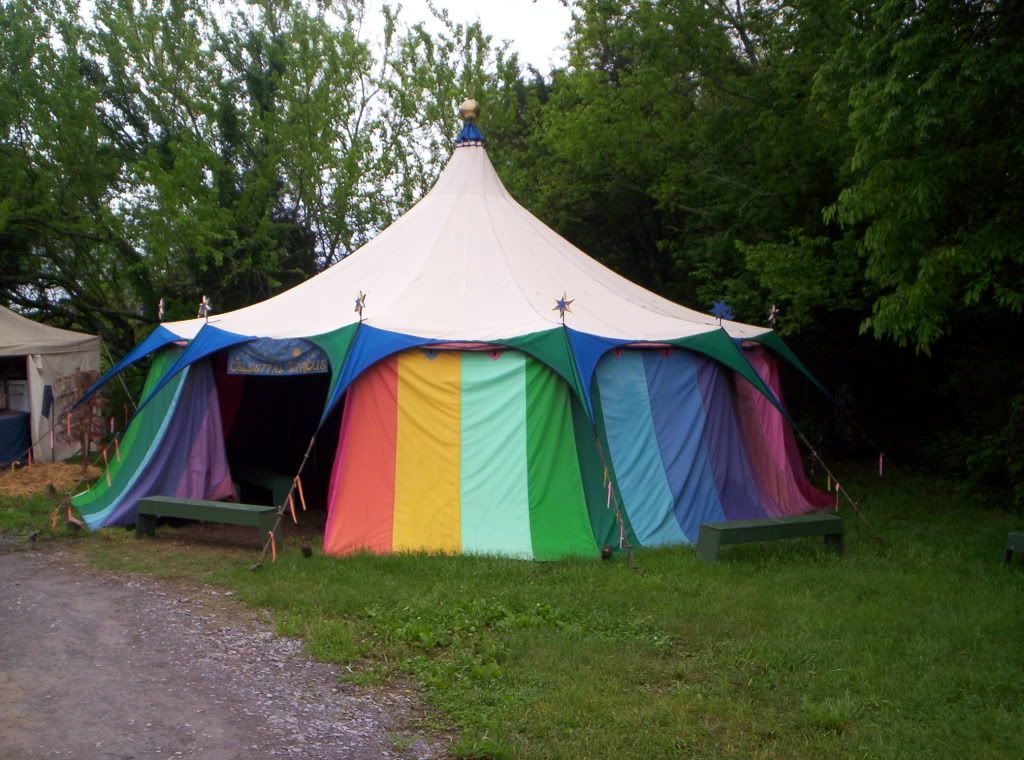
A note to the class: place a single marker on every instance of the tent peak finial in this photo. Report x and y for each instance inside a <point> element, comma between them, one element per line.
<point>469,110</point>
<point>470,135</point>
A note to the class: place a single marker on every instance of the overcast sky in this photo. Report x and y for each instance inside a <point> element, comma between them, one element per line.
<point>536,28</point>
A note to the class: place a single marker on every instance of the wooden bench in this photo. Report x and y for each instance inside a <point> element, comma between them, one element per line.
<point>715,535</point>
<point>1014,543</point>
<point>229,513</point>
<point>275,482</point>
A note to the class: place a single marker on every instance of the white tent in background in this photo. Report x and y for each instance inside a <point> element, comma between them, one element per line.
<point>34,356</point>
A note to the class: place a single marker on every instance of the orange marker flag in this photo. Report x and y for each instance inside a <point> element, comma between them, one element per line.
<point>291,506</point>
<point>273,547</point>
<point>302,496</point>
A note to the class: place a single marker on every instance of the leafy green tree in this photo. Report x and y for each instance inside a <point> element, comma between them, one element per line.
<point>936,179</point>
<point>158,149</point>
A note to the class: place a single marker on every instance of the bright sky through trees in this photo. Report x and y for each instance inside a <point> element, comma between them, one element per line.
<point>536,28</point>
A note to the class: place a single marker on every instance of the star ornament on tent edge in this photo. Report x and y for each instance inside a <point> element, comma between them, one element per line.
<point>721,310</point>
<point>360,304</point>
<point>204,308</point>
<point>563,305</point>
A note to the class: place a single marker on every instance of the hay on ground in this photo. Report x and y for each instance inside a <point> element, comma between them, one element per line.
<point>26,481</point>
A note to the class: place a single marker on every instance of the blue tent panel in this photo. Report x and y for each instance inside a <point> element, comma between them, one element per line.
<point>156,340</point>
<point>209,340</point>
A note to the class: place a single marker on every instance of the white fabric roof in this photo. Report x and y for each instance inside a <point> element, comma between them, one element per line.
<point>468,263</point>
<point>20,336</point>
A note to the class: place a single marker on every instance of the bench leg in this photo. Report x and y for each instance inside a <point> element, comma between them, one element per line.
<point>145,525</point>
<point>835,541</point>
<point>707,545</point>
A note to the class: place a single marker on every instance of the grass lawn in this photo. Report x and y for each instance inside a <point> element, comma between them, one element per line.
<point>910,649</point>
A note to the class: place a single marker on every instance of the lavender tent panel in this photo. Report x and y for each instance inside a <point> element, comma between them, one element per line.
<point>190,461</point>
<point>677,410</point>
<point>206,474</point>
<point>739,492</point>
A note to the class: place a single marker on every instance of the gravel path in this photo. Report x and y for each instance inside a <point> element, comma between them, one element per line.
<point>99,666</point>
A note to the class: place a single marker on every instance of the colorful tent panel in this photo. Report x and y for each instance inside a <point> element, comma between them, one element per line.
<point>173,447</point>
<point>774,457</point>
<point>690,442</point>
<point>449,451</point>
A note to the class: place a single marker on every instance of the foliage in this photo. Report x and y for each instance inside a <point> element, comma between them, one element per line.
<point>161,149</point>
<point>937,169</point>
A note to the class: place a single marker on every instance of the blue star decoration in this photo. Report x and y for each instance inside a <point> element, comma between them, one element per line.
<point>360,304</point>
<point>563,305</point>
<point>721,310</point>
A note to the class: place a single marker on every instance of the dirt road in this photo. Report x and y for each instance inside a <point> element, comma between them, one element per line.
<point>95,666</point>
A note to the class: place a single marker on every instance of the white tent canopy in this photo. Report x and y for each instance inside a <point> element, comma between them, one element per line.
<point>468,263</point>
<point>49,353</point>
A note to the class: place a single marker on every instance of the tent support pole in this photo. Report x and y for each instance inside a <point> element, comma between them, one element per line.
<point>284,504</point>
<point>124,386</point>
<point>623,538</point>
<point>856,507</point>
<point>305,458</point>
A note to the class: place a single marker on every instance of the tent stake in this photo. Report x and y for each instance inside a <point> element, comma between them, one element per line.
<point>289,498</point>
<point>840,490</point>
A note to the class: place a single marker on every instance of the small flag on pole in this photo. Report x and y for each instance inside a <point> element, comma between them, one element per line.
<point>273,546</point>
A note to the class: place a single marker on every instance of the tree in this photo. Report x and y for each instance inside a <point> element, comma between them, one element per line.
<point>157,149</point>
<point>936,179</point>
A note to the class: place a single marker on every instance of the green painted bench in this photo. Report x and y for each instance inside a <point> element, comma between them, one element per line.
<point>1014,543</point>
<point>228,513</point>
<point>715,535</point>
<point>275,482</point>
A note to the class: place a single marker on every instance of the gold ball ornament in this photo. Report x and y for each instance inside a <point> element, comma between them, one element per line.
<point>469,110</point>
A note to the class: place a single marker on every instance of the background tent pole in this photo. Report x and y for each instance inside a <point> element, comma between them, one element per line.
<point>120,377</point>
